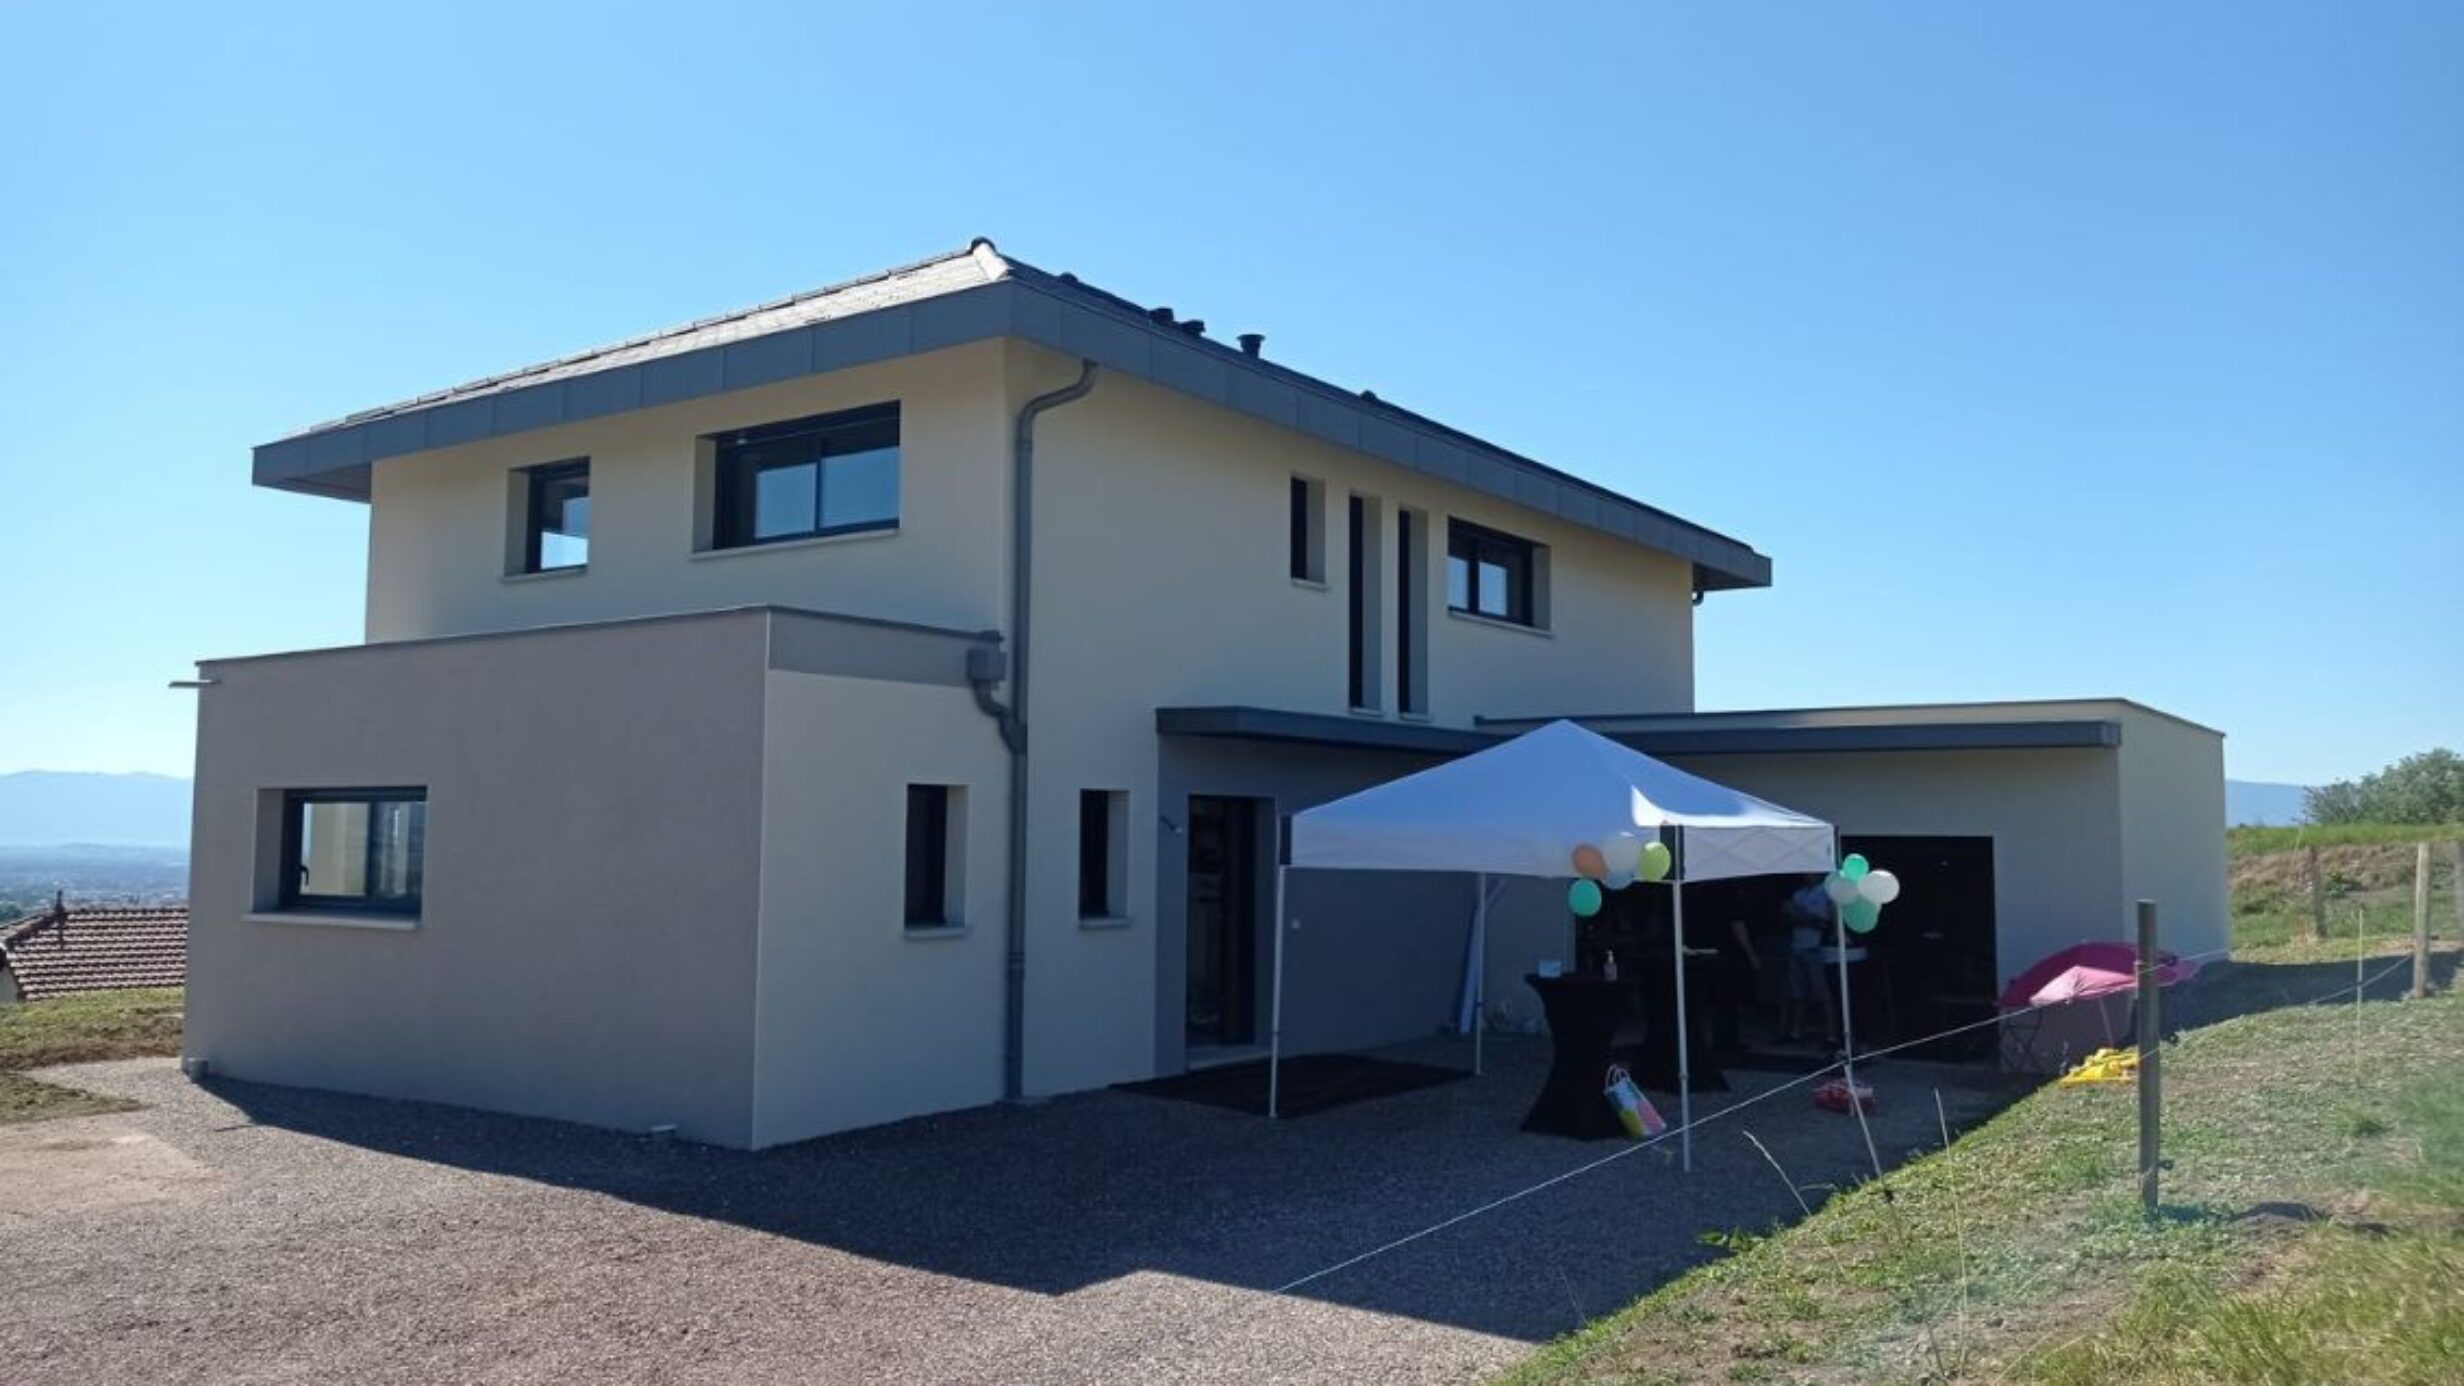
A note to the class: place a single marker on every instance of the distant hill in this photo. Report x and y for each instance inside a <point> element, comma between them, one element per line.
<point>42,808</point>
<point>2251,803</point>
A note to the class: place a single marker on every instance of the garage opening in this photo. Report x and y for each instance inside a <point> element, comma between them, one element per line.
<point>1934,954</point>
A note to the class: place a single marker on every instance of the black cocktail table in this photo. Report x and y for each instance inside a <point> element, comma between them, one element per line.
<point>1583,1015</point>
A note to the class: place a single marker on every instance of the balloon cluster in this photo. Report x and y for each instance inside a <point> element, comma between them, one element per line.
<point>1627,860</point>
<point>1860,892</point>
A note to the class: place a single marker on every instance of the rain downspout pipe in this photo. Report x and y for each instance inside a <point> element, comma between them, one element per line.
<point>1013,719</point>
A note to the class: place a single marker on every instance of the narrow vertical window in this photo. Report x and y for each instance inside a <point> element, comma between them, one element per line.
<point>928,854</point>
<point>1308,530</point>
<point>1103,880</point>
<point>556,519</point>
<point>936,855</point>
<point>1356,547</point>
<point>1411,648</point>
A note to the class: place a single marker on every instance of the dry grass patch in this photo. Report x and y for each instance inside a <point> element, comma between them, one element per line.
<point>79,1029</point>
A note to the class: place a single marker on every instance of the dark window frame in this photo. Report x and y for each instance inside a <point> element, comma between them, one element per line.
<point>735,515</point>
<point>1411,531</point>
<point>290,897</point>
<point>1356,546</point>
<point>536,482</point>
<point>1473,545</point>
<point>927,903</point>
<point>1306,560</point>
<point>1095,864</point>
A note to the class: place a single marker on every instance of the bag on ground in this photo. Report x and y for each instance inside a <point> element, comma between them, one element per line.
<point>1634,1111</point>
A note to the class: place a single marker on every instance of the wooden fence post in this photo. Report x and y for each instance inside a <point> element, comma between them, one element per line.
<point>2421,921</point>
<point>2151,1056</point>
<point>2318,898</point>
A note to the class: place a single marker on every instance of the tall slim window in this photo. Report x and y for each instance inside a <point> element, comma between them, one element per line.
<point>1411,672</point>
<point>1308,539</point>
<point>354,849</point>
<point>1491,574</point>
<point>1361,593</point>
<point>1103,878</point>
<point>556,517</point>
<point>928,856</point>
<point>830,474</point>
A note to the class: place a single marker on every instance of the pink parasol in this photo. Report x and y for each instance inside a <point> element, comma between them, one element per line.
<point>2086,970</point>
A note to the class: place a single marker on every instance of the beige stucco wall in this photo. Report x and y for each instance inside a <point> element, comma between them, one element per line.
<point>2053,816</point>
<point>861,1021</point>
<point>438,520</point>
<point>2173,848</point>
<point>587,945</point>
<point>1162,580</point>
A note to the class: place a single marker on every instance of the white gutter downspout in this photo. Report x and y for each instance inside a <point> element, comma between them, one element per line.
<point>1013,719</point>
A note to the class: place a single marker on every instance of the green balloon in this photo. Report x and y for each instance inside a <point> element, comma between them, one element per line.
<point>1860,915</point>
<point>1583,897</point>
<point>1855,866</point>
<point>1656,861</point>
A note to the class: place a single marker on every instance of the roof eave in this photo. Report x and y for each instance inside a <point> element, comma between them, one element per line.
<point>1034,307</point>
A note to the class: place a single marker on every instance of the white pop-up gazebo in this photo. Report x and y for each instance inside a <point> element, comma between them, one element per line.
<point>1520,808</point>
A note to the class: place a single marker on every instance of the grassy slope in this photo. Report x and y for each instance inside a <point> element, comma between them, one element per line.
<point>2313,1214</point>
<point>79,1029</point>
<point>2315,1226</point>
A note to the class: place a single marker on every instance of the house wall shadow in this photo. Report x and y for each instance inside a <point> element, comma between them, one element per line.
<point>1056,1197</point>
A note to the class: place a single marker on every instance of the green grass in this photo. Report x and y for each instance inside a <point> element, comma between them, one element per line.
<point>2311,1217</point>
<point>2242,842</point>
<point>79,1029</point>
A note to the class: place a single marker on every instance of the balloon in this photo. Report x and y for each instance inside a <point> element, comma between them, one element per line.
<point>1624,856</point>
<point>1619,877</point>
<point>1840,889</point>
<point>1583,897</point>
<point>1656,861</point>
<point>1860,916</point>
<point>1881,887</point>
<point>1589,863</point>
<point>1854,866</point>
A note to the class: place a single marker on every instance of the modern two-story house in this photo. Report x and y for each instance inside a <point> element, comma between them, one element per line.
<point>884,701</point>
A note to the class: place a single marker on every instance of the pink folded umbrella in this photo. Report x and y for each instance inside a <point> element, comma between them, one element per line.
<point>2086,970</point>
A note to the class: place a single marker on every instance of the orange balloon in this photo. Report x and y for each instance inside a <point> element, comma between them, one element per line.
<point>1589,864</point>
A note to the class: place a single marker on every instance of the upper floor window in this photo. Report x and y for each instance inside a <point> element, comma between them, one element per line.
<point>1491,574</point>
<point>556,517</point>
<point>1308,539</point>
<point>830,474</point>
<point>354,849</point>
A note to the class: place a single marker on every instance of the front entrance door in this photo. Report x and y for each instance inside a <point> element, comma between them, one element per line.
<point>1223,920</point>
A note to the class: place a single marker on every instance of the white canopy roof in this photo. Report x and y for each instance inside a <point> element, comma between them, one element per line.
<point>1521,808</point>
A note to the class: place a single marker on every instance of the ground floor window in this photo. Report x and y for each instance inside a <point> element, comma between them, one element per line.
<point>354,849</point>
<point>936,854</point>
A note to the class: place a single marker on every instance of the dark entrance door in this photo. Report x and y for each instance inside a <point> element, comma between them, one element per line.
<point>1223,920</point>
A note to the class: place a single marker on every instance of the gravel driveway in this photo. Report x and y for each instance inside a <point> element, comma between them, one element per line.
<point>244,1233</point>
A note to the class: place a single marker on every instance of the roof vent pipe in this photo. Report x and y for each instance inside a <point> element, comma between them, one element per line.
<point>1195,327</point>
<point>1161,314</point>
<point>1253,343</point>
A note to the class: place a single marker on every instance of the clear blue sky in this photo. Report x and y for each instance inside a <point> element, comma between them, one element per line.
<point>2049,350</point>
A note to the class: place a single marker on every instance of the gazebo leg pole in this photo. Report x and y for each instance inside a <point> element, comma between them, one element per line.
<point>1274,1019</point>
<point>1480,970</point>
<point>1685,1058</point>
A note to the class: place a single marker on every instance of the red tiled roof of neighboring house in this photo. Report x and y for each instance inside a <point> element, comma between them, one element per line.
<point>96,948</point>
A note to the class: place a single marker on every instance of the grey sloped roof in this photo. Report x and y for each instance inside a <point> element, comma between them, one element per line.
<point>968,295</point>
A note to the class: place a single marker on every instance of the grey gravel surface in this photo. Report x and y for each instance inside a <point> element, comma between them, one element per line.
<point>239,1233</point>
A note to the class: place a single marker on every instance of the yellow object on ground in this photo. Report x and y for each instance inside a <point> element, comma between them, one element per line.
<point>2104,1066</point>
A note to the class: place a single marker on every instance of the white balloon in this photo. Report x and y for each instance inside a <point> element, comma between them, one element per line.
<point>1840,889</point>
<point>1625,856</point>
<point>1881,887</point>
